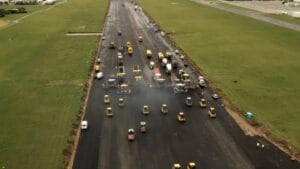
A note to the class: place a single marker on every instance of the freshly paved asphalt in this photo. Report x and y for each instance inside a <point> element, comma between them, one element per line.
<point>211,143</point>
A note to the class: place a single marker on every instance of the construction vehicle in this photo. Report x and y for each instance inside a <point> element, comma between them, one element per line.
<point>121,102</point>
<point>151,64</point>
<point>110,83</point>
<point>164,62</point>
<point>106,99</point>
<point>202,103</point>
<point>164,109</point>
<point>109,112</point>
<point>188,101</point>
<point>180,88</point>
<point>131,135</point>
<point>99,75</point>
<point>169,54</point>
<point>201,81</point>
<point>160,56</point>
<point>181,117</point>
<point>146,110</point>
<point>174,62</point>
<point>215,96</point>
<point>130,50</point>
<point>123,88</point>
<point>97,68</point>
<point>140,39</point>
<point>120,59</point>
<point>191,165</point>
<point>143,127</point>
<point>136,69</point>
<point>176,166</point>
<point>212,112</point>
<point>128,44</point>
<point>112,45</point>
<point>168,68</point>
<point>148,53</point>
<point>185,63</point>
<point>157,75</point>
<point>185,79</point>
<point>121,71</point>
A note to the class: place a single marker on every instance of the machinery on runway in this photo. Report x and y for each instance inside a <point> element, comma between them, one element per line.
<point>143,127</point>
<point>181,117</point>
<point>212,112</point>
<point>131,135</point>
<point>164,109</point>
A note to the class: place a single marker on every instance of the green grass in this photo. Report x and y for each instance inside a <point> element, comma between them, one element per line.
<point>263,58</point>
<point>235,6</point>
<point>29,9</point>
<point>285,17</point>
<point>42,73</point>
<point>2,23</point>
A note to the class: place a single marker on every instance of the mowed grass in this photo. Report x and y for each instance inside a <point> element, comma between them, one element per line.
<point>2,23</point>
<point>29,8</point>
<point>285,17</point>
<point>42,75</point>
<point>262,58</point>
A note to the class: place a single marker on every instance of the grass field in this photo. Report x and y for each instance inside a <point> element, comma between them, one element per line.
<point>42,73</point>
<point>2,23</point>
<point>285,17</point>
<point>262,58</point>
<point>29,9</point>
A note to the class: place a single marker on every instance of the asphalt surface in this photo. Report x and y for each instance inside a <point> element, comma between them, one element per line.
<point>211,143</point>
<point>252,14</point>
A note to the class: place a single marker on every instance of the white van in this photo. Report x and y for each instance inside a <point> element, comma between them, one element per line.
<point>84,125</point>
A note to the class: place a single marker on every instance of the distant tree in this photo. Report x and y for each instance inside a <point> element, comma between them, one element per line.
<point>2,12</point>
<point>22,10</point>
